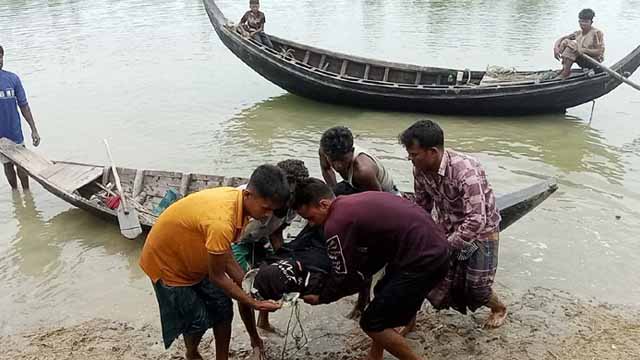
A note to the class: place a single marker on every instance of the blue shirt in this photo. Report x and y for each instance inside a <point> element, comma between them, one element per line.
<point>12,95</point>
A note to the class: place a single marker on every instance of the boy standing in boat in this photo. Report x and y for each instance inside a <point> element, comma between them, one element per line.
<point>261,238</point>
<point>12,97</point>
<point>408,243</point>
<point>252,22</point>
<point>456,187</point>
<point>588,40</point>
<point>187,256</point>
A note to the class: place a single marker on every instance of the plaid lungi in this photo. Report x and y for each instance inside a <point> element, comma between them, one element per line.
<point>468,283</point>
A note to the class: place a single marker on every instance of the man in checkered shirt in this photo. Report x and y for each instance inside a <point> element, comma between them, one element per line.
<point>453,187</point>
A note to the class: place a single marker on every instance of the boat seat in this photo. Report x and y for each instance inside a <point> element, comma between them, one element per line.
<point>70,176</point>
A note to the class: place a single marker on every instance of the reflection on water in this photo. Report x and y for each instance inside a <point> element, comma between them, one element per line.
<point>299,123</point>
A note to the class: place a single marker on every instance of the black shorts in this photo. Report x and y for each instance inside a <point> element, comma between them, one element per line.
<point>397,298</point>
<point>191,309</point>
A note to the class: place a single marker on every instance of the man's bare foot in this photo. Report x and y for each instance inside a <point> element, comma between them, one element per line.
<point>258,353</point>
<point>496,318</point>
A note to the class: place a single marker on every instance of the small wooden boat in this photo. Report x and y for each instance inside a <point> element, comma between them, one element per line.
<point>88,186</point>
<point>345,79</point>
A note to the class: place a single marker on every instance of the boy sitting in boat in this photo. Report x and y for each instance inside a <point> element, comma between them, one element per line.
<point>252,24</point>
<point>588,40</point>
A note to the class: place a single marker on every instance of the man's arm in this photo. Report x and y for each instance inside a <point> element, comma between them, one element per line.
<point>26,112</point>
<point>556,46</point>
<point>346,258</point>
<point>219,265</point>
<point>244,18</point>
<point>422,197</point>
<point>365,174</point>
<point>327,171</point>
<point>276,238</point>
<point>21,97</point>
<point>475,216</point>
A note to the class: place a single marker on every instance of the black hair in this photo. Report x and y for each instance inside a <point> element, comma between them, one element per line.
<point>336,142</point>
<point>587,14</point>
<point>295,170</point>
<point>1,50</point>
<point>270,182</point>
<point>424,133</point>
<point>311,191</point>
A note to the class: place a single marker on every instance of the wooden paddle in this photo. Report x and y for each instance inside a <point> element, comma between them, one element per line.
<point>610,72</point>
<point>127,216</point>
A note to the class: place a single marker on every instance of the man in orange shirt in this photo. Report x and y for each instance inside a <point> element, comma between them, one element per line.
<point>187,256</point>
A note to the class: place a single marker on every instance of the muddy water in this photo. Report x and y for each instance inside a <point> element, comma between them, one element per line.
<point>153,78</point>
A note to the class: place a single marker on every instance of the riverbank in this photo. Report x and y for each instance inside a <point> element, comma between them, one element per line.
<point>542,324</point>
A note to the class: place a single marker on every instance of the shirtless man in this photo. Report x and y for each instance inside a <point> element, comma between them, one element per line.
<point>588,40</point>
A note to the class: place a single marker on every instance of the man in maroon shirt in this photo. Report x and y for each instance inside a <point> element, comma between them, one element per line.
<point>364,233</point>
<point>455,186</point>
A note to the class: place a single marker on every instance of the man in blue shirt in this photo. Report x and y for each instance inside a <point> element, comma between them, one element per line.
<point>12,97</point>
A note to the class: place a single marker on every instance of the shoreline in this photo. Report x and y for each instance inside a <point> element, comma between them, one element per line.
<point>542,324</point>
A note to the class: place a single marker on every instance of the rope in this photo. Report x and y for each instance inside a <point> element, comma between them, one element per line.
<point>593,105</point>
<point>301,339</point>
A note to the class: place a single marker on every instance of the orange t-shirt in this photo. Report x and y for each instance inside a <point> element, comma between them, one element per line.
<point>177,247</point>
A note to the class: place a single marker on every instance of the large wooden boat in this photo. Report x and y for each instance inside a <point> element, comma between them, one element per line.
<point>351,80</point>
<point>87,186</point>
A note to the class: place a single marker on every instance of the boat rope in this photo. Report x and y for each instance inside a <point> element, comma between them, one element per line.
<point>297,331</point>
<point>593,105</point>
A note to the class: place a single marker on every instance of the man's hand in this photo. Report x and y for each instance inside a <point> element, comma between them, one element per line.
<point>35,137</point>
<point>266,305</point>
<point>311,299</point>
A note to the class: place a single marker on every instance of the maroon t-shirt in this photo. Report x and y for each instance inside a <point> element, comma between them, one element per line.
<point>366,231</point>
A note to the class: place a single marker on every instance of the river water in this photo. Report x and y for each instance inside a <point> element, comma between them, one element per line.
<point>153,78</point>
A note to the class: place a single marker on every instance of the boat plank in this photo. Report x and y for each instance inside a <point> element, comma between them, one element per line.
<point>24,157</point>
<point>69,177</point>
<point>184,184</point>
<point>343,68</point>
<point>137,183</point>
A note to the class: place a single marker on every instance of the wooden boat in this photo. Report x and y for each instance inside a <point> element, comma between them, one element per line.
<point>87,186</point>
<point>345,79</point>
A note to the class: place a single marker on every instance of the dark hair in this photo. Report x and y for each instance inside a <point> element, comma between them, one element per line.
<point>1,50</point>
<point>270,182</point>
<point>254,2</point>
<point>336,142</point>
<point>295,170</point>
<point>424,133</point>
<point>310,191</point>
<point>587,14</point>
